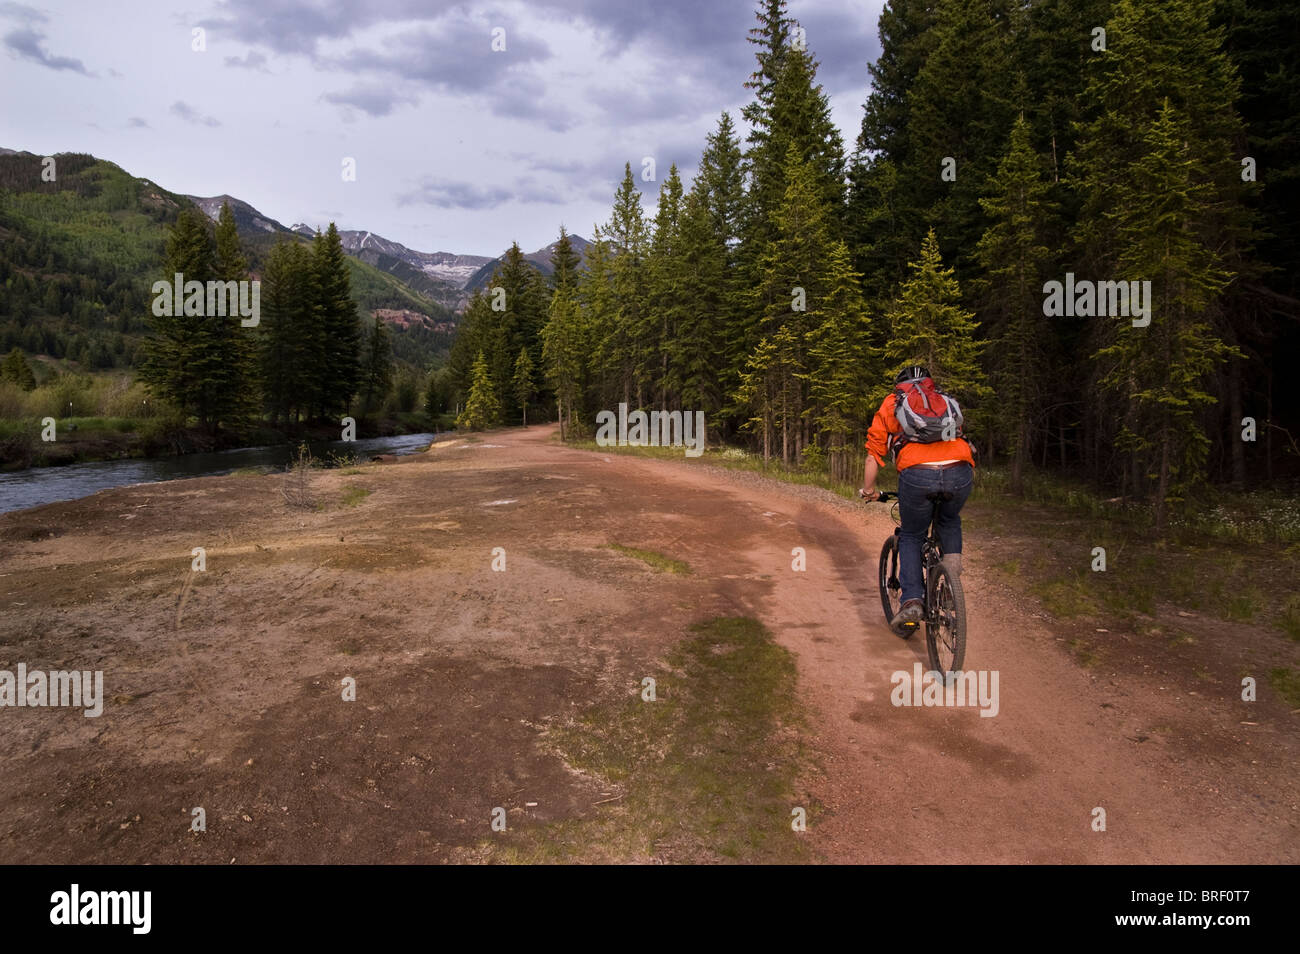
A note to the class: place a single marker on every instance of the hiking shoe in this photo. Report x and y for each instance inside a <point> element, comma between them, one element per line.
<point>909,617</point>
<point>952,563</point>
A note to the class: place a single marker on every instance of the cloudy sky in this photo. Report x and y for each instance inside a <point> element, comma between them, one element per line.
<point>457,147</point>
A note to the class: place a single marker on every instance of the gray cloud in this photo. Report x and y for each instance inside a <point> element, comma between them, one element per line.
<point>371,100</point>
<point>135,122</point>
<point>252,61</point>
<point>457,59</point>
<point>188,113</point>
<point>447,194</point>
<point>20,11</point>
<point>30,45</point>
<point>298,26</point>
<point>698,51</point>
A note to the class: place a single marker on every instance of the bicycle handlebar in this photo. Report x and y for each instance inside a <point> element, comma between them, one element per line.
<point>884,496</point>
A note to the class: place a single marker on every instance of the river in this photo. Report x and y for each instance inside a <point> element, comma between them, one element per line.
<point>42,485</point>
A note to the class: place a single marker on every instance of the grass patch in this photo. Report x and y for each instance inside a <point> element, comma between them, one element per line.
<point>1286,683</point>
<point>1241,607</point>
<point>707,772</point>
<point>656,560</point>
<point>1083,653</point>
<point>354,495</point>
<point>1065,596</point>
<point>1291,618</point>
<point>1048,546</point>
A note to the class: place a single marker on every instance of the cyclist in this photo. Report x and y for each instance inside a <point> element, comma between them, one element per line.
<point>925,465</point>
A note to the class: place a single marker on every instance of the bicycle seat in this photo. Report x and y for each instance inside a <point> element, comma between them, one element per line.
<point>939,495</point>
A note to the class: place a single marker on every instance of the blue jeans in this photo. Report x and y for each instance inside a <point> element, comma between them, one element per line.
<point>914,511</point>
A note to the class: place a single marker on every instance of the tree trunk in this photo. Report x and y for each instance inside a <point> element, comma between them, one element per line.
<point>1018,463</point>
<point>1162,486</point>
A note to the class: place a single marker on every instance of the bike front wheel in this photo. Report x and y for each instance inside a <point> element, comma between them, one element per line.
<point>945,626</point>
<point>891,590</point>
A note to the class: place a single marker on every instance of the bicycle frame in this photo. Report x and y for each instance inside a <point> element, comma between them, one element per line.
<point>931,554</point>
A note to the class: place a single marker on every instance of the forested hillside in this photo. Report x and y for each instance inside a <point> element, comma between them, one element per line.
<point>78,256</point>
<point>1148,150</point>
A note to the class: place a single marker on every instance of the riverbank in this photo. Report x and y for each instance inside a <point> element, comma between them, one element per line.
<point>24,489</point>
<point>80,440</point>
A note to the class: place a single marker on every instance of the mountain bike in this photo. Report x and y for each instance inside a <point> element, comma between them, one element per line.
<point>944,602</point>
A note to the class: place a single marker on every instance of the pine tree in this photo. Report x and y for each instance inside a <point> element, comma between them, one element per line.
<point>1015,260</point>
<point>792,278</point>
<point>437,393</point>
<point>471,338</point>
<point>506,315</point>
<point>522,383</point>
<point>771,36</point>
<point>627,234</point>
<point>790,117</point>
<point>666,308</point>
<point>722,180</point>
<point>377,375</point>
<point>1259,36</point>
<point>178,355</point>
<point>959,109</point>
<point>16,369</point>
<point>928,326</point>
<point>1161,368</point>
<point>707,295</point>
<point>906,39</point>
<point>565,262</point>
<point>1157,53</point>
<point>714,340</point>
<point>482,410</point>
<point>234,378</point>
<point>340,326</point>
<point>881,231</point>
<point>564,351</point>
<point>760,392</point>
<point>520,324</point>
<point>843,364</point>
<point>288,332</point>
<point>597,300</point>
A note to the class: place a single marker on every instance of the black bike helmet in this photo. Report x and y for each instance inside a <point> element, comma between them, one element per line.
<point>913,372</point>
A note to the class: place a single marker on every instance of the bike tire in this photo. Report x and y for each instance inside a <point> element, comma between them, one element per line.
<point>946,609</point>
<point>891,591</point>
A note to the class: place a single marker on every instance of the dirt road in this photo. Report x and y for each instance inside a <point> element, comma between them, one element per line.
<point>224,687</point>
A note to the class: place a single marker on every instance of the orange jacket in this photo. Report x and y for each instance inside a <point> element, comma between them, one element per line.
<point>885,424</point>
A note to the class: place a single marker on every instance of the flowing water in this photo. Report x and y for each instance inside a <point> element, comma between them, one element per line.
<point>42,485</point>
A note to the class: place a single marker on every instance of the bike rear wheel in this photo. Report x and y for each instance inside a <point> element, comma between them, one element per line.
<point>945,627</point>
<point>891,590</point>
